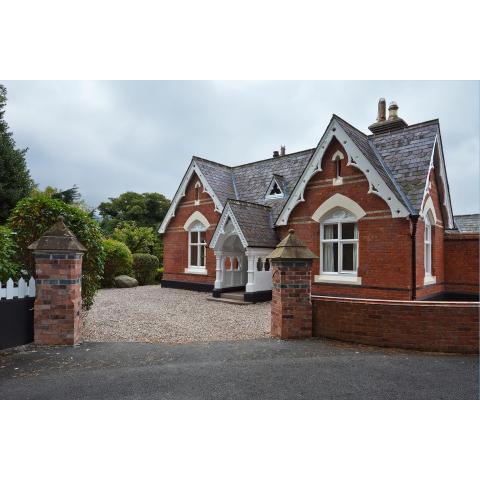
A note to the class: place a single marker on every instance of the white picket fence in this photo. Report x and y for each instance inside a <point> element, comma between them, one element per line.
<point>22,290</point>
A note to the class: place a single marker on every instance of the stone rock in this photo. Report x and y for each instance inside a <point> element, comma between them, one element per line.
<point>124,281</point>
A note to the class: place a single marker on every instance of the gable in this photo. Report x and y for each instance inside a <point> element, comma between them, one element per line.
<point>192,170</point>
<point>356,158</point>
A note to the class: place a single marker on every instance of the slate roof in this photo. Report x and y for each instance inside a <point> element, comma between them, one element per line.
<point>255,222</point>
<point>249,182</point>
<point>468,223</point>
<point>401,157</point>
<point>407,154</point>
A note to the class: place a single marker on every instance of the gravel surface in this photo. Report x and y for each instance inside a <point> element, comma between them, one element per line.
<point>155,314</point>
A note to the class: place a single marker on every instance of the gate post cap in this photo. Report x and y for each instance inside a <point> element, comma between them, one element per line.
<point>292,248</point>
<point>58,238</point>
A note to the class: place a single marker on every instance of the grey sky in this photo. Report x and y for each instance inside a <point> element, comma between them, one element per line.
<point>110,137</point>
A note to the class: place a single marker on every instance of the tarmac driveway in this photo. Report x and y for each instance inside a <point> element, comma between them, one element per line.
<point>249,369</point>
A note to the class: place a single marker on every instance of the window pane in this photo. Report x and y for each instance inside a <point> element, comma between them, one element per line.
<point>349,257</point>
<point>202,237</point>
<point>193,237</point>
<point>202,255</point>
<point>348,230</point>
<point>330,257</point>
<point>193,255</point>
<point>330,231</point>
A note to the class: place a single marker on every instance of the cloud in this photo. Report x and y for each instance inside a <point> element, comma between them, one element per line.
<point>110,137</point>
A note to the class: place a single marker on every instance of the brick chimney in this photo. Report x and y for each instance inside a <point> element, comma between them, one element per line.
<point>282,150</point>
<point>384,125</point>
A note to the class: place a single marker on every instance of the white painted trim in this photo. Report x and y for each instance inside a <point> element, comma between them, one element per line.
<point>429,207</point>
<point>226,214</point>
<point>338,201</point>
<point>196,217</point>
<point>356,159</point>
<point>193,168</point>
<point>270,186</point>
<point>337,181</point>
<point>339,278</point>
<point>338,153</point>
<point>196,271</point>
<point>443,176</point>
<point>429,280</point>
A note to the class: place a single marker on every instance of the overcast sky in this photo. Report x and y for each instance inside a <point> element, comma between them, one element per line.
<point>111,137</point>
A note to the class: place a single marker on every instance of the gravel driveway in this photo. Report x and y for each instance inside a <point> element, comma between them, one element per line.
<point>155,314</point>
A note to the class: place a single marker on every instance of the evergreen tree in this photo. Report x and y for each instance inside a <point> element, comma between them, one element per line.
<point>15,180</point>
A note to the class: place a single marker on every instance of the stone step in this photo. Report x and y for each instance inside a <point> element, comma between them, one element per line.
<point>233,295</point>
<point>228,300</point>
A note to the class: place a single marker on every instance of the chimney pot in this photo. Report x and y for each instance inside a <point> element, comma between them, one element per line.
<point>392,111</point>
<point>282,151</point>
<point>382,110</point>
<point>275,154</point>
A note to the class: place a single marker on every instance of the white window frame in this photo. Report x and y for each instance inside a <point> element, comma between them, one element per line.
<point>427,251</point>
<point>342,276</point>
<point>197,227</point>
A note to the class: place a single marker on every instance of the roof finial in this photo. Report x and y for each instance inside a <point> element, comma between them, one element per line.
<point>291,231</point>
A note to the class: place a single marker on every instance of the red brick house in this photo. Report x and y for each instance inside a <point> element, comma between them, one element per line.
<point>375,209</point>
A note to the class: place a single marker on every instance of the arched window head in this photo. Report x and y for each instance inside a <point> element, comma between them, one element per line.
<point>339,243</point>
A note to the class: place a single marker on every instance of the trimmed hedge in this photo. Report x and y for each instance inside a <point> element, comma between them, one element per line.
<point>144,267</point>
<point>118,261</point>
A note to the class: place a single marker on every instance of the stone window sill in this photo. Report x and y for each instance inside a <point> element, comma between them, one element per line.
<point>196,271</point>
<point>429,280</point>
<point>343,279</point>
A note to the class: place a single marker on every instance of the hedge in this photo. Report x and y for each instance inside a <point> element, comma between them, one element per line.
<point>145,267</point>
<point>118,261</point>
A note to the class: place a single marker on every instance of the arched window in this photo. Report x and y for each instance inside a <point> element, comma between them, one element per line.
<point>428,245</point>
<point>339,243</point>
<point>197,245</point>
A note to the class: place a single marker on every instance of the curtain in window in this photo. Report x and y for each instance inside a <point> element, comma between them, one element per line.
<point>328,251</point>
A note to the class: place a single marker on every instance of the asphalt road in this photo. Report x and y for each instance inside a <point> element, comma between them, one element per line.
<point>250,369</point>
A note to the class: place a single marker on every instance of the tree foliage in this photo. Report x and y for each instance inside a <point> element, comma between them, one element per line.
<point>33,216</point>
<point>145,209</point>
<point>137,239</point>
<point>15,180</point>
<point>8,266</point>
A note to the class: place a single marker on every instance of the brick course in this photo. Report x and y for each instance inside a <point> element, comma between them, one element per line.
<point>430,326</point>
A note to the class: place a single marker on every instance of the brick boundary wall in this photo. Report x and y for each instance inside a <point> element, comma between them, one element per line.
<point>462,262</point>
<point>450,327</point>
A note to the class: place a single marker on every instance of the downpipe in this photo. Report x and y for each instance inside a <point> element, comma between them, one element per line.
<point>413,235</point>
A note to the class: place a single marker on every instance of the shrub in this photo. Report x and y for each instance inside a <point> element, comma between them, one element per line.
<point>118,261</point>
<point>8,266</point>
<point>32,217</point>
<point>137,239</point>
<point>159,275</point>
<point>145,267</point>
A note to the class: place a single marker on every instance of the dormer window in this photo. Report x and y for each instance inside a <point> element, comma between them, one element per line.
<point>274,190</point>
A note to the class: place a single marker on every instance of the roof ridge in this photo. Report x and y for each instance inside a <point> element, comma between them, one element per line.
<point>274,158</point>
<point>466,215</point>
<point>195,157</point>
<point>414,125</point>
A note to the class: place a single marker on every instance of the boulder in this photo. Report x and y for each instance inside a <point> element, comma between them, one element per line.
<point>124,281</point>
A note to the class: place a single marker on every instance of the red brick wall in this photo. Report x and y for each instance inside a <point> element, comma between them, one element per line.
<point>384,243</point>
<point>58,299</point>
<point>176,238</point>
<point>438,261</point>
<point>429,326</point>
<point>291,305</point>
<point>461,262</point>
